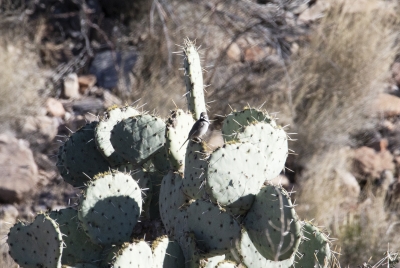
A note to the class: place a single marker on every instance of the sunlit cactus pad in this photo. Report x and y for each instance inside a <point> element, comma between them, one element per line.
<point>236,121</point>
<point>110,207</point>
<point>111,117</point>
<point>179,125</point>
<point>195,170</point>
<point>235,175</point>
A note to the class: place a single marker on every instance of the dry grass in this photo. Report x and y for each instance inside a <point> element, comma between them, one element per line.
<point>336,79</point>
<point>21,81</point>
<point>339,74</point>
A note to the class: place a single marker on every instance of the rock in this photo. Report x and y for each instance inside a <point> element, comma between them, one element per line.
<point>256,53</point>
<point>54,108</point>
<point>234,52</point>
<point>8,213</point>
<point>18,172</point>
<point>89,104</point>
<point>387,105</point>
<point>47,168</point>
<point>86,82</point>
<point>111,66</point>
<point>39,131</point>
<point>71,86</point>
<point>369,164</point>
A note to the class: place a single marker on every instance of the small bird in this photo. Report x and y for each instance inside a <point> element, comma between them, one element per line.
<point>199,128</point>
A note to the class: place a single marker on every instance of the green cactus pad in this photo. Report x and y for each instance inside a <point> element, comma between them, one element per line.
<point>193,80</point>
<point>187,241</point>
<point>38,244</point>
<point>252,258</point>
<point>236,122</point>
<point>216,231</point>
<point>78,247</point>
<point>79,160</point>
<point>235,175</point>
<point>314,248</point>
<point>171,202</point>
<point>272,224</point>
<point>133,255</point>
<point>143,179</point>
<point>110,207</point>
<point>167,254</point>
<point>103,132</point>
<point>179,125</point>
<point>195,170</point>
<point>161,162</point>
<point>272,141</point>
<point>138,138</point>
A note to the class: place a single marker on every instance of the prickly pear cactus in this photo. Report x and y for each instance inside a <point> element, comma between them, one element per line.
<point>235,122</point>
<point>167,254</point>
<point>179,125</point>
<point>193,184</point>
<point>137,172</point>
<point>193,80</point>
<point>314,248</point>
<point>38,244</point>
<point>272,224</point>
<point>133,255</point>
<point>235,174</point>
<point>111,117</point>
<point>252,258</point>
<point>78,159</point>
<point>138,138</point>
<point>78,247</point>
<point>171,203</point>
<point>216,232</point>
<point>111,199</point>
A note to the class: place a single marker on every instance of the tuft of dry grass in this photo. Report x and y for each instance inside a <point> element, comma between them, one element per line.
<point>337,76</point>
<point>340,73</point>
<point>21,81</point>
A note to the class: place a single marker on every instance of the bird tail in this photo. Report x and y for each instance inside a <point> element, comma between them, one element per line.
<point>183,144</point>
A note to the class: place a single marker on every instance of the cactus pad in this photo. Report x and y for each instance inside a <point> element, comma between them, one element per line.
<point>235,175</point>
<point>252,258</point>
<point>314,248</point>
<point>138,138</point>
<point>179,125</point>
<point>236,122</point>
<point>226,264</point>
<point>133,255</point>
<point>167,254</point>
<point>195,170</point>
<point>193,80</point>
<point>80,160</point>
<point>103,132</point>
<point>272,224</point>
<point>78,247</point>
<point>272,142</point>
<point>171,201</point>
<point>216,231</point>
<point>38,244</point>
<point>110,207</point>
